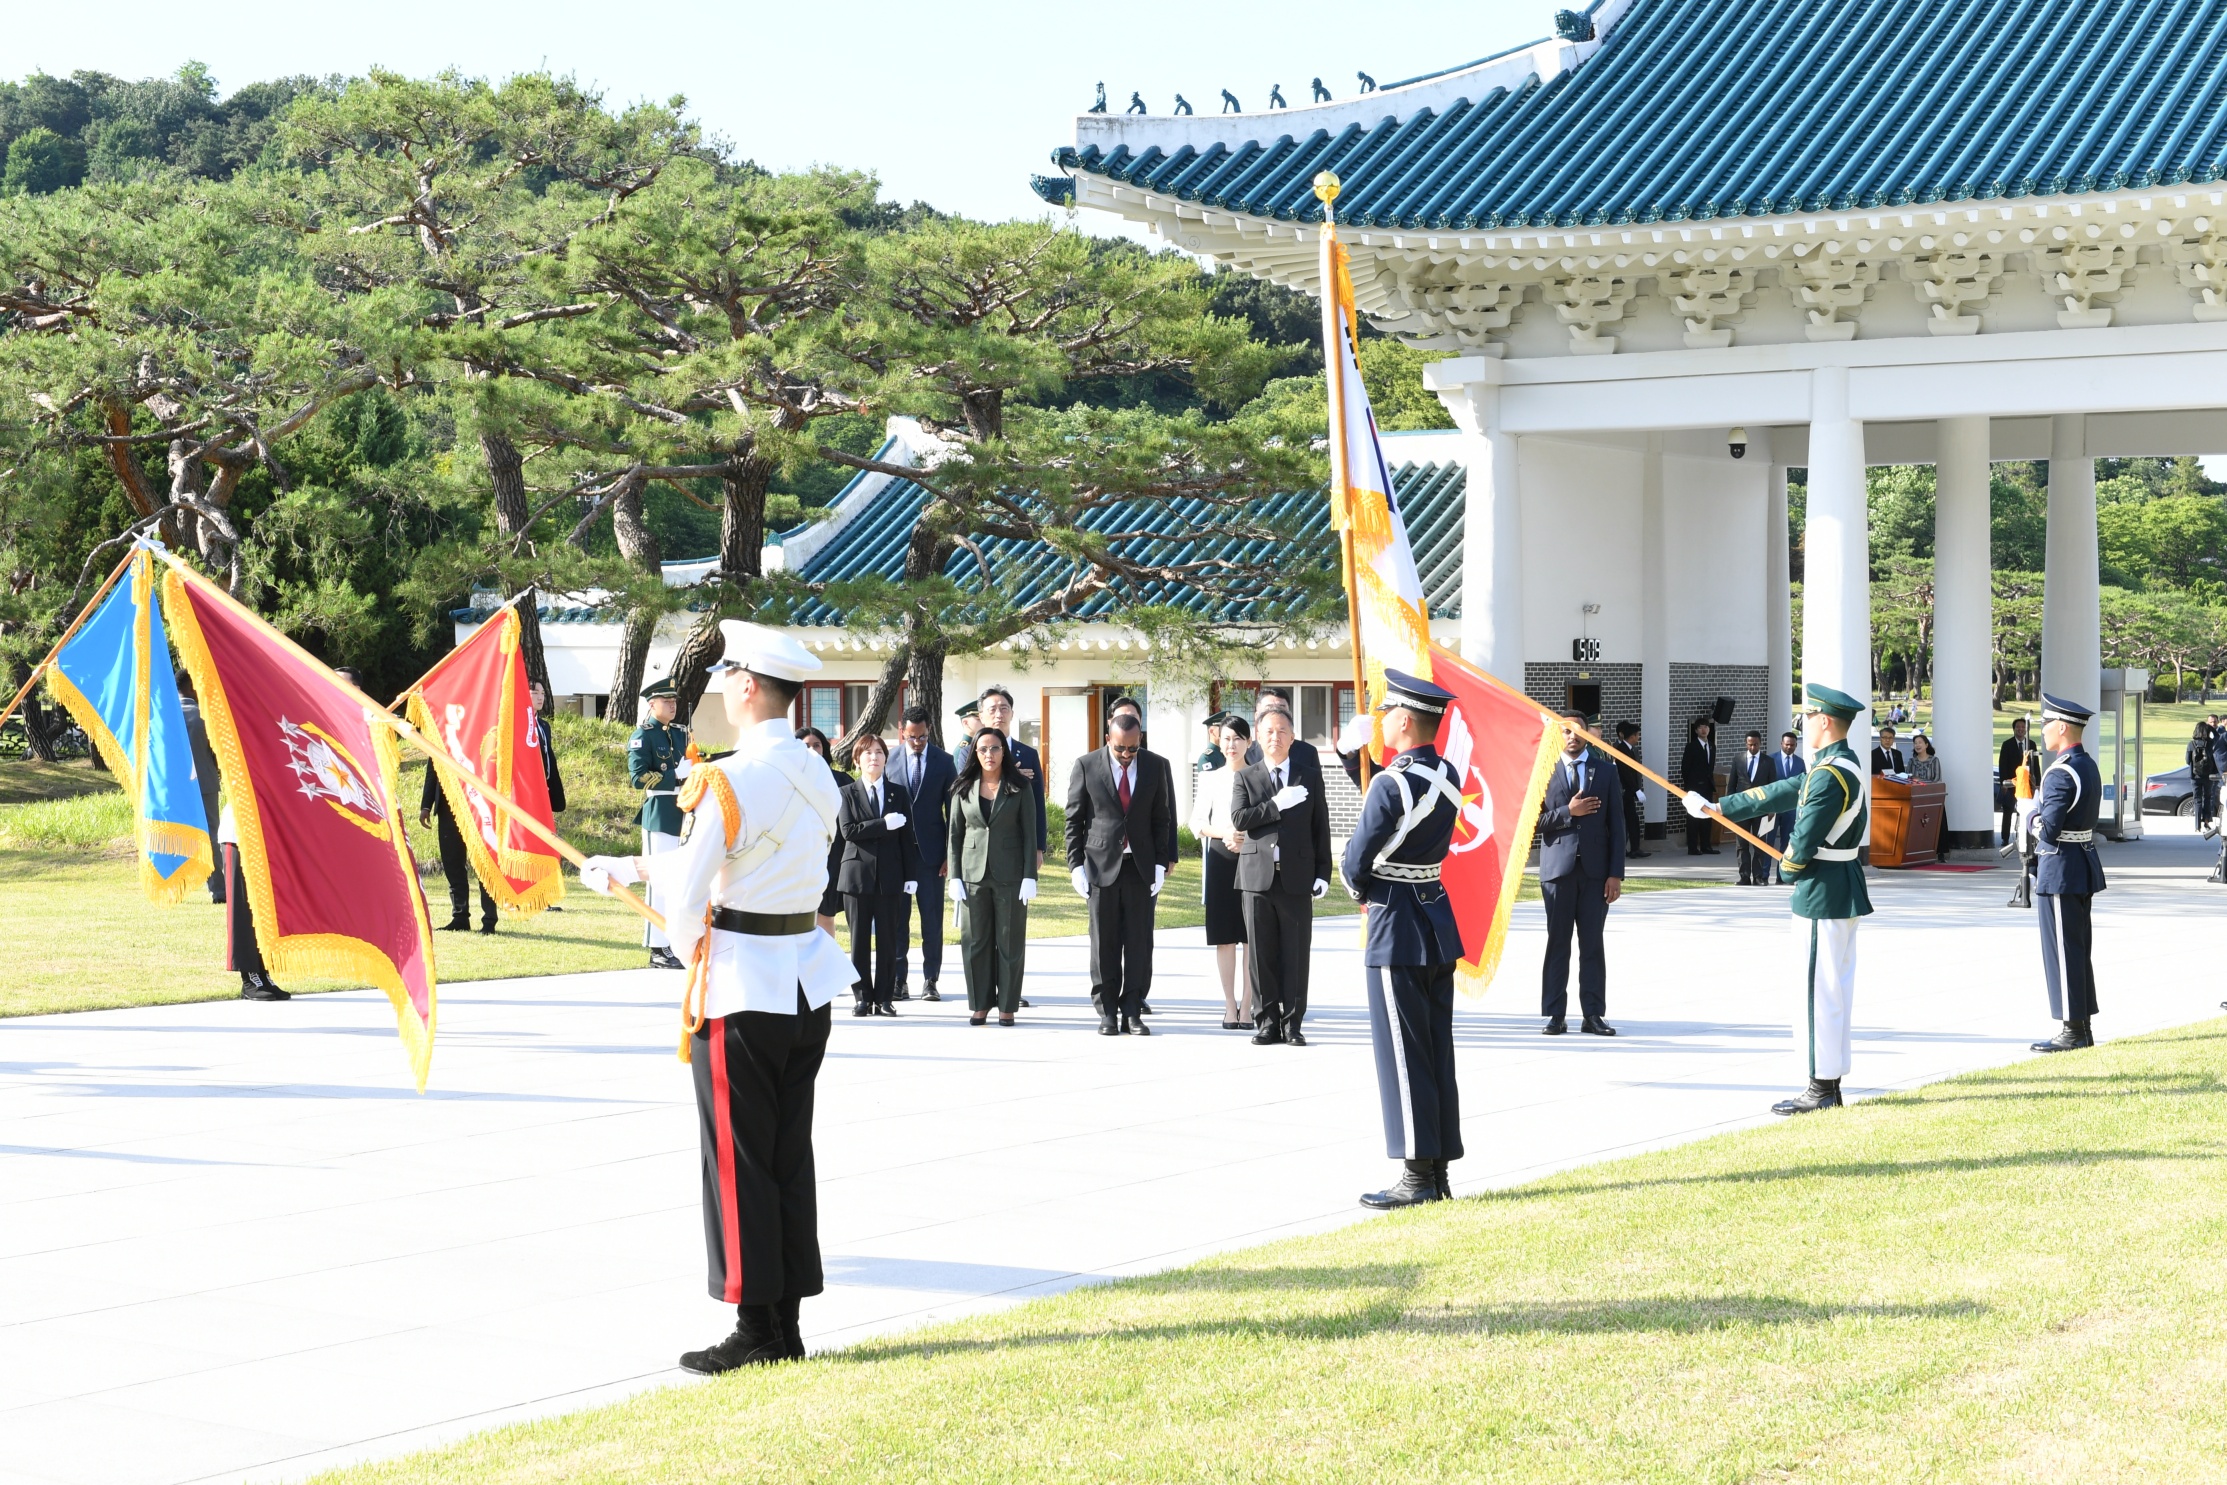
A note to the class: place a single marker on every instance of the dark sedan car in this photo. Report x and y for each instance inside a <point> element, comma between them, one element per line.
<point>2169,793</point>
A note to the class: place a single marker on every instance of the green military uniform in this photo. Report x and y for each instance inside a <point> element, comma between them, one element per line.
<point>1831,813</point>
<point>655,755</point>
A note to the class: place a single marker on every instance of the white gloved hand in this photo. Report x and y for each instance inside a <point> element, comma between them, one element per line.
<point>1080,876</point>
<point>958,890</point>
<point>1322,888</point>
<point>683,769</point>
<point>1159,879</point>
<point>894,820</point>
<point>601,871</point>
<point>1288,795</point>
<point>1028,889</point>
<point>1357,733</point>
<point>1696,805</point>
<point>912,889</point>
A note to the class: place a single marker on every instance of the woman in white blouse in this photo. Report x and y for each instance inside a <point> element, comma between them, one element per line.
<point>1218,843</point>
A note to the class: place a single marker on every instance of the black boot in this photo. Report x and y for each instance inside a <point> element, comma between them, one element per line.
<point>792,1333</point>
<point>1822,1093</point>
<point>1445,1181</point>
<point>2074,1037</point>
<point>1418,1183</point>
<point>756,1342</point>
<point>1293,1036</point>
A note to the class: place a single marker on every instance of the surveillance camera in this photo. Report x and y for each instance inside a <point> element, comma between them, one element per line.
<point>1738,443</point>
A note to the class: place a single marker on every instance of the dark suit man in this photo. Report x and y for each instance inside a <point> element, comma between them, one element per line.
<point>1752,770</point>
<point>1790,766</point>
<point>1581,871</point>
<point>1282,867</point>
<point>926,772</point>
<point>1635,829</point>
<point>1130,706</point>
<point>2017,749</point>
<point>1697,774</point>
<point>880,869</point>
<point>996,710</point>
<point>1117,819</point>
<point>1885,756</point>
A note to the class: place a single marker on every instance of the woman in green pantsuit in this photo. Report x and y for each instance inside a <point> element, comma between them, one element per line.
<point>992,874</point>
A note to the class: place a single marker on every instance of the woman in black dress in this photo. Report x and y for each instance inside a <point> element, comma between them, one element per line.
<point>1219,839</point>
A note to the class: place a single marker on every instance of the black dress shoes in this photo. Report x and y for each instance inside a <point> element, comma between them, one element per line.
<point>1134,1026</point>
<point>1418,1183</point>
<point>929,992</point>
<point>1822,1093</point>
<point>884,1008</point>
<point>1595,1026</point>
<point>1269,1034</point>
<point>1637,855</point>
<point>1108,1026</point>
<point>665,959</point>
<point>457,925</point>
<point>1555,1026</point>
<point>1294,1038</point>
<point>757,1341</point>
<point>2074,1036</point>
<point>903,992</point>
<point>258,986</point>
<point>863,1008</point>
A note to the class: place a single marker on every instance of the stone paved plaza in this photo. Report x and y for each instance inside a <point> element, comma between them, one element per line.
<point>233,1243</point>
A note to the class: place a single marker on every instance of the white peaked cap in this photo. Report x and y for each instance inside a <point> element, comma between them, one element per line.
<point>768,652</point>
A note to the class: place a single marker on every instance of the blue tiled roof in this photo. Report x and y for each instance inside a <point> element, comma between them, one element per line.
<point>1697,109</point>
<point>873,542</point>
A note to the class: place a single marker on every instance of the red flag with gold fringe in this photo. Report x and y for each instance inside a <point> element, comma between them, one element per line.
<point>477,704</point>
<point>1503,745</point>
<point>330,879</point>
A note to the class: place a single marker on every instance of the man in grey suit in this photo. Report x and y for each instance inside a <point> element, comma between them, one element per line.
<point>1581,871</point>
<point>1282,868</point>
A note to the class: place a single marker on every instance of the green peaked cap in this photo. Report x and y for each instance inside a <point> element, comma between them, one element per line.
<point>1838,705</point>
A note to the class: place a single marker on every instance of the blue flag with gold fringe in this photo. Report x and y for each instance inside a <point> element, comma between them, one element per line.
<point>114,678</point>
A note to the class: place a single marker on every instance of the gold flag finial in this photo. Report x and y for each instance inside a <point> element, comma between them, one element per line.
<point>1326,187</point>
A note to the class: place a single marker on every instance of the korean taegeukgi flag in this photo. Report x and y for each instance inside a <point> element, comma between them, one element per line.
<point>311,778</point>
<point>1390,614</point>
<point>1503,744</point>
<point>114,678</point>
<point>476,703</point>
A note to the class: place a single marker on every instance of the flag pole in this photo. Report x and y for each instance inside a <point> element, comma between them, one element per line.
<point>1333,365</point>
<point>67,635</point>
<point>432,750</point>
<point>1623,757</point>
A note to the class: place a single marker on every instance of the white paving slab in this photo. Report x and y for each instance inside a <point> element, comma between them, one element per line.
<point>234,1244</point>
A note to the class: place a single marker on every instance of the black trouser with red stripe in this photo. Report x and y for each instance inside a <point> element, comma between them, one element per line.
<point>754,1073</point>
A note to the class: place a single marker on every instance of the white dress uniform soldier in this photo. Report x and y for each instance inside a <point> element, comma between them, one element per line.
<point>1392,863</point>
<point>2068,872</point>
<point>743,892</point>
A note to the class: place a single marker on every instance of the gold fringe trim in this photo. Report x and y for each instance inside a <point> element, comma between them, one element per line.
<point>500,873</point>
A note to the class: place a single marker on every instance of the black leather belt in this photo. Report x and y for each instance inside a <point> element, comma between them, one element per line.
<point>763,925</point>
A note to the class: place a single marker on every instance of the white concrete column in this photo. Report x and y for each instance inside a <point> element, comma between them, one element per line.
<point>1492,537</point>
<point>1778,605</point>
<point>2071,595</point>
<point>1963,630</point>
<point>1836,568</point>
<point>1654,631</point>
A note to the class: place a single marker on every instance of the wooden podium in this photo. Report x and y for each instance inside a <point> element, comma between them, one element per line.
<point>1906,821</point>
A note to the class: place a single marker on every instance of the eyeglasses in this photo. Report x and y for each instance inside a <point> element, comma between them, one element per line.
<point>1129,752</point>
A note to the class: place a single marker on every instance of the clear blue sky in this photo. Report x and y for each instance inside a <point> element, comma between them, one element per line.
<point>953,103</point>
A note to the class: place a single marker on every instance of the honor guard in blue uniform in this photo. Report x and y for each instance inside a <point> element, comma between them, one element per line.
<point>1392,864</point>
<point>656,763</point>
<point>2067,872</point>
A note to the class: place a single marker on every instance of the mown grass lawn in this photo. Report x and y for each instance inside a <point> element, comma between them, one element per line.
<point>2017,1275</point>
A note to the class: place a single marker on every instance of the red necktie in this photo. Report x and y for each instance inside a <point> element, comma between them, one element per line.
<point>1121,785</point>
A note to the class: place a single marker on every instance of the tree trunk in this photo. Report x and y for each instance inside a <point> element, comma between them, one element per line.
<point>638,544</point>
<point>742,540</point>
<point>506,471</point>
<point>924,682</point>
<point>879,703</point>
<point>40,726</point>
<point>634,653</point>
